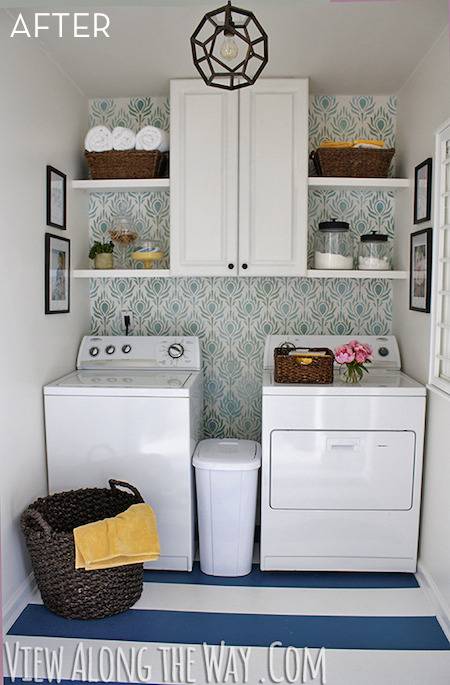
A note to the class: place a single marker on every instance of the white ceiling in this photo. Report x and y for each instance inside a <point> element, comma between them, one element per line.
<point>344,47</point>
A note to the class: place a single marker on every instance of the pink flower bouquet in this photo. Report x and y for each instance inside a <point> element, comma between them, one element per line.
<point>353,357</point>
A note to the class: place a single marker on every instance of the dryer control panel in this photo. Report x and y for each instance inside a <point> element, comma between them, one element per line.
<point>139,352</point>
<point>386,354</point>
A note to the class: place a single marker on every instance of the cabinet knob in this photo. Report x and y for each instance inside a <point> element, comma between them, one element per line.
<point>231,266</point>
<point>245,266</point>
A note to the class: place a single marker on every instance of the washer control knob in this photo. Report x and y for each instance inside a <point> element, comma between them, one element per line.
<point>383,351</point>
<point>110,349</point>
<point>94,351</point>
<point>126,349</point>
<point>176,350</point>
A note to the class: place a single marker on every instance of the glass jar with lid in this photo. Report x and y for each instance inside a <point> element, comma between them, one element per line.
<point>123,234</point>
<point>333,248</point>
<point>374,252</point>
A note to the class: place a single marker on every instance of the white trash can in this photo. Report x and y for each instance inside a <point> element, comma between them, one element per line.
<point>226,474</point>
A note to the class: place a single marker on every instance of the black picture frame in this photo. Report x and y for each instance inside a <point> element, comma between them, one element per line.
<point>421,246</point>
<point>56,198</point>
<point>423,174</point>
<point>57,285</point>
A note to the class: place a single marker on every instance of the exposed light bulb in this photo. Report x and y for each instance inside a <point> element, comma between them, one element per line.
<point>229,49</point>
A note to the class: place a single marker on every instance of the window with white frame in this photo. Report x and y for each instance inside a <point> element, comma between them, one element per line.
<point>440,349</point>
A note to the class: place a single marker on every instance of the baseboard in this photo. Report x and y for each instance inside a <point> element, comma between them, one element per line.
<point>16,604</point>
<point>439,604</point>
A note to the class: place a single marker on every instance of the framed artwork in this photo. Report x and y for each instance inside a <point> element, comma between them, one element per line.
<point>56,198</point>
<point>420,271</point>
<point>57,274</point>
<point>422,191</point>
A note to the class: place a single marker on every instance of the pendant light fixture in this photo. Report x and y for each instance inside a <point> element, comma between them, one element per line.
<point>229,48</point>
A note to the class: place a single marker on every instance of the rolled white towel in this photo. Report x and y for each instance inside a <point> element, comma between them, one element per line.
<point>152,138</point>
<point>98,139</point>
<point>123,138</point>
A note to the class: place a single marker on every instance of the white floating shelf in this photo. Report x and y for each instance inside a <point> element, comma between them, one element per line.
<point>122,185</point>
<point>369,183</point>
<point>166,273</point>
<point>121,273</point>
<point>355,273</point>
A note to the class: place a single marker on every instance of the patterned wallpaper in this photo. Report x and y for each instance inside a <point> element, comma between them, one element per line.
<point>233,316</point>
<point>346,117</point>
<point>133,113</point>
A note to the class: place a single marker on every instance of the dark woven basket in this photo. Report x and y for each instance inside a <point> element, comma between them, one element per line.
<point>289,369</point>
<point>353,162</point>
<point>124,164</point>
<point>48,526</point>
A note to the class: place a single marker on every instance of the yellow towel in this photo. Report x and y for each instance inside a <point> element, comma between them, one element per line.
<point>128,538</point>
<point>374,143</point>
<point>336,143</point>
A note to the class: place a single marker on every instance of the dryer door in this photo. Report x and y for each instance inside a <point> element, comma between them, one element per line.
<point>346,470</point>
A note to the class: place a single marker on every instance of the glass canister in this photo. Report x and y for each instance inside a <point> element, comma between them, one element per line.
<point>333,247</point>
<point>374,252</point>
<point>123,234</point>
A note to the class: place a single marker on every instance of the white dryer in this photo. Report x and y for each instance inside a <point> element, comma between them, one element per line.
<point>342,466</point>
<point>132,411</point>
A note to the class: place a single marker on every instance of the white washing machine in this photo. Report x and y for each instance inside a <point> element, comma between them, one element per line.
<point>342,466</point>
<point>132,411</point>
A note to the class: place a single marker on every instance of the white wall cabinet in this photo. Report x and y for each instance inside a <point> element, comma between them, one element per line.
<point>239,175</point>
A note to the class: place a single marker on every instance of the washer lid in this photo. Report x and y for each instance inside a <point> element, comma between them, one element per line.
<point>227,455</point>
<point>127,382</point>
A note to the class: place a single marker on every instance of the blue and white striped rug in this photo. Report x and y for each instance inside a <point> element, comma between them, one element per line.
<point>375,628</point>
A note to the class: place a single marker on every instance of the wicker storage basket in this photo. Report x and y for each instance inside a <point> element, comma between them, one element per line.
<point>295,369</point>
<point>124,164</point>
<point>48,526</point>
<point>164,167</point>
<point>353,162</point>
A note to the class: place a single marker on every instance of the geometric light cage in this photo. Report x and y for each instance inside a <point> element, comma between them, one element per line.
<point>246,37</point>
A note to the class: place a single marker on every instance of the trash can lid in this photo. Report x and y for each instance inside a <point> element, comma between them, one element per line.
<point>227,455</point>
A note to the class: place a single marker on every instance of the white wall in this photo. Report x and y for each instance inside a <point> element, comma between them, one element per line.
<point>42,121</point>
<point>423,104</point>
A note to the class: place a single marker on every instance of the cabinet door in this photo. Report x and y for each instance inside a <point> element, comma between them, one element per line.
<point>273,178</point>
<point>203,179</point>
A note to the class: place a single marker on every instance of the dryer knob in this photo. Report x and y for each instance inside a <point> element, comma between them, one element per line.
<point>110,349</point>
<point>383,351</point>
<point>94,351</point>
<point>176,350</point>
<point>126,349</point>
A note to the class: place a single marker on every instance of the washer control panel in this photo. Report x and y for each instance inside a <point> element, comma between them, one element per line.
<point>139,352</point>
<point>176,350</point>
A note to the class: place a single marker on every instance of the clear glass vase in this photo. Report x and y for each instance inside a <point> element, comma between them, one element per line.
<point>352,373</point>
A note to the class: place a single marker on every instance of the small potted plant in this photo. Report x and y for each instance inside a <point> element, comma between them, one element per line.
<point>102,254</point>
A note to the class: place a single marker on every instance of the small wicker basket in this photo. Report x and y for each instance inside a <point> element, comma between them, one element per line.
<point>124,164</point>
<point>352,162</point>
<point>298,368</point>
<point>48,526</point>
